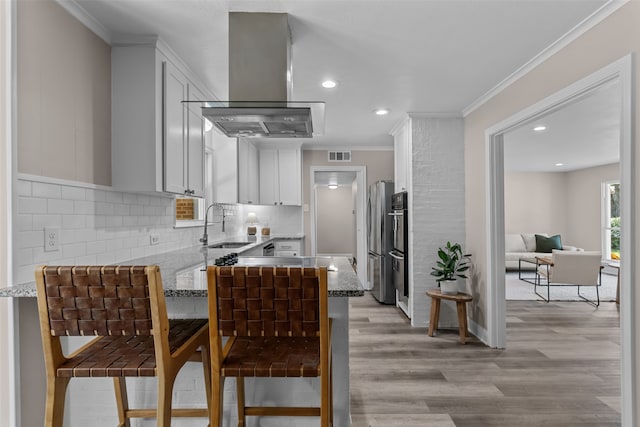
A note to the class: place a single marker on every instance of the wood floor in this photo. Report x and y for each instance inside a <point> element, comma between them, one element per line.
<point>561,368</point>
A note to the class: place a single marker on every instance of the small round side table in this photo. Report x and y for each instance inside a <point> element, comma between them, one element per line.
<point>461,300</point>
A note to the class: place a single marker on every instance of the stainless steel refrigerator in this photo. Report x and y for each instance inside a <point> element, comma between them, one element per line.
<point>380,242</point>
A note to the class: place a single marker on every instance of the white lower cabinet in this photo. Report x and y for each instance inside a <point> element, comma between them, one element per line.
<point>280,176</point>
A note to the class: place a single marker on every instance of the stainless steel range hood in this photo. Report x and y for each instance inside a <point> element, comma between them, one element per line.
<point>260,82</point>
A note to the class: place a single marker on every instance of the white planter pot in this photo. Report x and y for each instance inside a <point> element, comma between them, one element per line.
<point>449,287</point>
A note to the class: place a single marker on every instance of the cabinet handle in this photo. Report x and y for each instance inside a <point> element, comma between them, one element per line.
<point>280,202</point>
<point>275,203</point>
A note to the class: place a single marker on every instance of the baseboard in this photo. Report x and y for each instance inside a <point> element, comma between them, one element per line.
<point>478,331</point>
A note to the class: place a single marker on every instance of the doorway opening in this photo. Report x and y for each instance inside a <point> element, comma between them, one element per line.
<point>338,213</point>
<point>620,71</point>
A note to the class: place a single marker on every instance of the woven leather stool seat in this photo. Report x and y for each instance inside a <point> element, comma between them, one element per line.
<point>278,325</point>
<point>273,357</point>
<point>125,355</point>
<point>124,308</point>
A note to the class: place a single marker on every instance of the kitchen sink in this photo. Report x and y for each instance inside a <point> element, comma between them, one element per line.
<point>228,245</point>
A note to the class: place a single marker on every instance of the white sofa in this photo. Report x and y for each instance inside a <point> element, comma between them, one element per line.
<point>523,245</point>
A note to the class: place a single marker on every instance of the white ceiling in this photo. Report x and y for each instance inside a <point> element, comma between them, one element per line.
<point>584,133</point>
<point>428,56</point>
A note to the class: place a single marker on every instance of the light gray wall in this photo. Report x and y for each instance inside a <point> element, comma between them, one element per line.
<point>535,202</point>
<point>565,203</point>
<point>584,201</point>
<point>335,224</point>
<point>64,96</point>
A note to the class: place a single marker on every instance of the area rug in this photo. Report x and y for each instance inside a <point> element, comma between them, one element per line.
<point>523,291</point>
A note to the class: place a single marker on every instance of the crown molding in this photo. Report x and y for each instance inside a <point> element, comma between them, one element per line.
<point>85,18</point>
<point>585,25</point>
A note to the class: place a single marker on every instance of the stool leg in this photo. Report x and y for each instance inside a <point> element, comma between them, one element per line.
<point>122,401</point>
<point>462,319</point>
<point>435,315</point>
<point>206,366</point>
<point>241,402</point>
<point>217,393</point>
<point>165,394</point>
<point>54,412</point>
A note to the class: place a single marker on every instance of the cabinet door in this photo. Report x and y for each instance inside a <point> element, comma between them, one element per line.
<point>289,180</point>
<point>175,157</point>
<point>195,143</point>
<point>269,177</point>
<point>195,154</point>
<point>401,160</point>
<point>248,173</point>
<point>225,168</point>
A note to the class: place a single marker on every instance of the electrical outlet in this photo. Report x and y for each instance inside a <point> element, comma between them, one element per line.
<point>154,239</point>
<point>51,239</point>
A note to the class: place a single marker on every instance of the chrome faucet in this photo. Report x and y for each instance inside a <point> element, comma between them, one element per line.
<point>205,235</point>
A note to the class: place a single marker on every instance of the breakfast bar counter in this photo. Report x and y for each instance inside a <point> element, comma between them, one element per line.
<point>184,281</point>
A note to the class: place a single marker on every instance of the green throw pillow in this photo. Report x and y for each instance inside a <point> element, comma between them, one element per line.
<point>548,244</point>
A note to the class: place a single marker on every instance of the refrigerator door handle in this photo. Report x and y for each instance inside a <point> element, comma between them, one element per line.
<point>393,255</point>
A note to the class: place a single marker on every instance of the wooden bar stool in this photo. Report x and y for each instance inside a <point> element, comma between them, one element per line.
<point>461,300</point>
<point>125,308</point>
<point>278,325</point>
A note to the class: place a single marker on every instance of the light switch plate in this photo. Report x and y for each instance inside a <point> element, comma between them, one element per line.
<point>154,239</point>
<point>51,239</point>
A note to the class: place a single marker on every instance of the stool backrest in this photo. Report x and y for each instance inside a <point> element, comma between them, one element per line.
<point>267,301</point>
<point>95,300</point>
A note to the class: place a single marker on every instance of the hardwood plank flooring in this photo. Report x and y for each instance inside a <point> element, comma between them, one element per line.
<point>561,368</point>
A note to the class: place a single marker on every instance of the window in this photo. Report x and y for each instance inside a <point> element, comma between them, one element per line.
<point>611,220</point>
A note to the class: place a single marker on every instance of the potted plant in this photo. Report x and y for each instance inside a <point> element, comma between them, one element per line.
<point>451,266</point>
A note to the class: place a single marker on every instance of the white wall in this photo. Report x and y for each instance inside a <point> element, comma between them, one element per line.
<point>335,213</point>
<point>584,201</point>
<point>5,143</point>
<point>535,202</point>
<point>436,206</point>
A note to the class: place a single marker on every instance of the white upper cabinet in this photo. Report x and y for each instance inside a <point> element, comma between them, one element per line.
<point>225,168</point>
<point>280,176</point>
<point>248,179</point>
<point>175,131</point>
<point>401,162</point>
<point>157,140</point>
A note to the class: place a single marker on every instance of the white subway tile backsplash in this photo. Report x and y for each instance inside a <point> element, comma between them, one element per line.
<point>84,207</point>
<point>73,221</point>
<point>23,222</point>
<point>73,193</point>
<point>49,191</point>
<point>23,188</point>
<point>29,239</point>
<point>29,205</point>
<point>73,250</point>
<point>99,226</point>
<point>58,206</point>
<point>114,197</point>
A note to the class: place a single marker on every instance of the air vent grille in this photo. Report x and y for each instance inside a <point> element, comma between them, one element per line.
<point>339,156</point>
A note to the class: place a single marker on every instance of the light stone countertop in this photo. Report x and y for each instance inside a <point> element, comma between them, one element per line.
<point>183,270</point>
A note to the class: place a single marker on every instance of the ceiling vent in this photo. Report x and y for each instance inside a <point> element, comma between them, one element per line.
<point>339,156</point>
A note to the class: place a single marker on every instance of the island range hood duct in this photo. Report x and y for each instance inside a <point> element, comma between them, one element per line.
<point>260,82</point>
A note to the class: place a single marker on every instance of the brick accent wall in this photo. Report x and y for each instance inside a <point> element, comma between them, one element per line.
<point>184,209</point>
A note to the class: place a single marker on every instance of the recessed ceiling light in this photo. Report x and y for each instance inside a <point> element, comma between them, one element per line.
<point>559,164</point>
<point>382,111</point>
<point>540,128</point>
<point>332,186</point>
<point>329,84</point>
